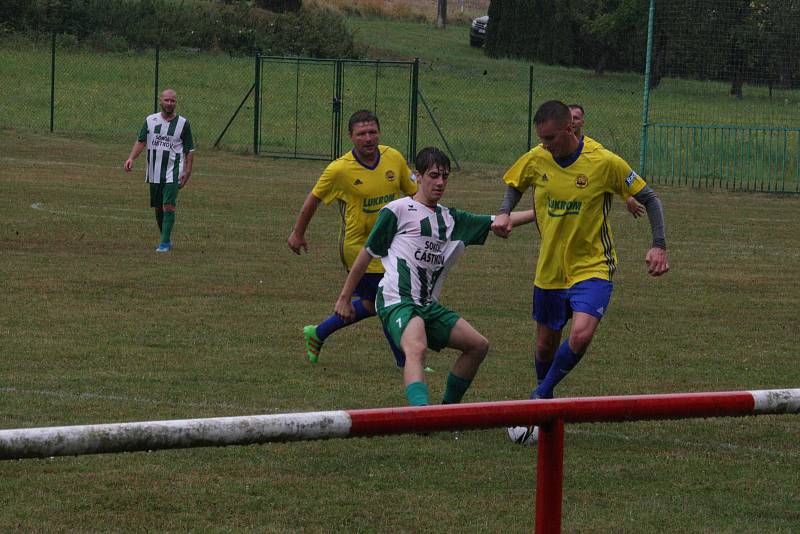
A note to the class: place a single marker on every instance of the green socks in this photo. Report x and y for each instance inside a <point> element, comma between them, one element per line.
<point>455,389</point>
<point>166,229</point>
<point>417,394</point>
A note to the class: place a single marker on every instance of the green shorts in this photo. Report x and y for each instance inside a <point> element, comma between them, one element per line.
<point>439,322</point>
<point>161,194</point>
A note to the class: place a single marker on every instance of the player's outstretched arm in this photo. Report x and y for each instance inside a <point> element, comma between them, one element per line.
<point>187,169</point>
<point>344,305</point>
<point>137,148</point>
<point>502,223</point>
<point>297,239</point>
<point>656,258</point>
<point>657,261</point>
<point>518,218</point>
<point>635,209</point>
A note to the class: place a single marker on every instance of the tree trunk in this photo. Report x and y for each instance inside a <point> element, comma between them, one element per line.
<point>441,13</point>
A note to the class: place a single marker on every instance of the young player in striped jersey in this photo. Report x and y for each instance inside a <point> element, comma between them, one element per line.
<point>170,154</point>
<point>574,183</point>
<point>418,241</point>
<point>362,181</point>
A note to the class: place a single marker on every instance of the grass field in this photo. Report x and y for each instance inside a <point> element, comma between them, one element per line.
<point>97,328</point>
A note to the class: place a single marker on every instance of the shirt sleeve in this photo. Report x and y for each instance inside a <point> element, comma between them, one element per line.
<point>407,184</point>
<point>325,188</point>
<point>520,175</point>
<point>143,133</point>
<point>470,228</point>
<point>624,180</point>
<point>186,137</point>
<point>382,234</point>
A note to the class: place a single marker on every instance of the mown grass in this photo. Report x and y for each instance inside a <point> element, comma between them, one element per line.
<point>97,328</point>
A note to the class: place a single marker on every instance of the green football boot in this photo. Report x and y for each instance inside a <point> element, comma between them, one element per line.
<point>313,344</point>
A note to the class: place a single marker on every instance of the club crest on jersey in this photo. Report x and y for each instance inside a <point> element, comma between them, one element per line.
<point>358,182</point>
<point>631,177</point>
<point>545,178</point>
<point>581,181</point>
<point>390,176</point>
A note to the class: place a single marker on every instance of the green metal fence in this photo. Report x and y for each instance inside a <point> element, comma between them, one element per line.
<point>728,129</point>
<point>729,157</point>
<point>684,132</point>
<point>303,105</point>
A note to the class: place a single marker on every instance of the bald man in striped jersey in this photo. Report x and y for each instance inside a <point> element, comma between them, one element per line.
<point>170,154</point>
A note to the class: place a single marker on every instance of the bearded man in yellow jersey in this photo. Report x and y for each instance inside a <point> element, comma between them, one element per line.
<point>574,181</point>
<point>363,181</point>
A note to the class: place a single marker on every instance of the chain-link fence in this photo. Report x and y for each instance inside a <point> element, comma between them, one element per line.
<point>690,118</point>
<point>723,105</point>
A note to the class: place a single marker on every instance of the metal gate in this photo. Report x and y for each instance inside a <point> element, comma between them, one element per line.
<point>302,105</point>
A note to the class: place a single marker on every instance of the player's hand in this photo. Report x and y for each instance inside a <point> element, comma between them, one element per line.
<point>657,262</point>
<point>182,179</point>
<point>297,242</point>
<point>502,225</point>
<point>636,209</point>
<point>128,165</point>
<point>344,308</point>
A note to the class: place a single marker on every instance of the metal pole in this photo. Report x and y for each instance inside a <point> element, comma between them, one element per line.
<point>530,106</point>
<point>257,106</point>
<point>412,141</point>
<point>52,82</point>
<point>646,98</point>
<point>216,143</point>
<point>550,477</point>
<point>155,79</point>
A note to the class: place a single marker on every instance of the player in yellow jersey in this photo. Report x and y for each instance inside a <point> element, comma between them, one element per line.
<point>573,181</point>
<point>363,181</point>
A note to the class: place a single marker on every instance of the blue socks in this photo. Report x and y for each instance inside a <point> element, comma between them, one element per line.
<point>334,323</point>
<point>564,361</point>
<point>541,369</point>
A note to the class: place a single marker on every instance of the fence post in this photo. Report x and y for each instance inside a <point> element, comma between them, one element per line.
<point>646,97</point>
<point>550,477</point>
<point>257,105</point>
<point>155,79</point>
<point>412,134</point>
<point>52,82</point>
<point>530,105</point>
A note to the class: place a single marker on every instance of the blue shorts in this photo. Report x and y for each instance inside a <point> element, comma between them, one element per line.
<point>554,307</point>
<point>367,288</point>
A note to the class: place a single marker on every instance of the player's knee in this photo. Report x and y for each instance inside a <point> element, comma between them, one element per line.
<point>414,349</point>
<point>481,347</point>
<point>579,341</point>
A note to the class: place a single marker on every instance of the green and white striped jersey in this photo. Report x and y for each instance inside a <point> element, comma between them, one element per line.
<point>167,142</point>
<point>418,246</point>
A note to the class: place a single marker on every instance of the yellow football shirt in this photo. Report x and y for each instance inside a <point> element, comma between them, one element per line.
<point>362,191</point>
<point>573,206</point>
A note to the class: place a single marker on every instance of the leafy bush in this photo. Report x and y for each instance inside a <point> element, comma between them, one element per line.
<point>235,27</point>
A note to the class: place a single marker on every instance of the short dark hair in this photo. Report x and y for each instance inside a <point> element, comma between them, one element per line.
<point>362,115</point>
<point>576,106</point>
<point>553,110</point>
<point>430,157</point>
